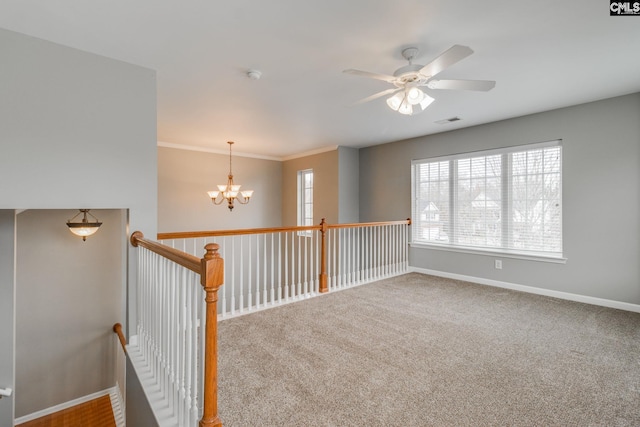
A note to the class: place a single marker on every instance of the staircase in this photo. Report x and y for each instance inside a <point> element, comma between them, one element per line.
<point>103,411</point>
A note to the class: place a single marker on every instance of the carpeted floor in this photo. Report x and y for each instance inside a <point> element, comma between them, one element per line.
<point>418,350</point>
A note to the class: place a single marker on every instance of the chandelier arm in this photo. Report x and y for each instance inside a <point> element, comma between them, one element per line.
<point>91,215</point>
<point>75,216</point>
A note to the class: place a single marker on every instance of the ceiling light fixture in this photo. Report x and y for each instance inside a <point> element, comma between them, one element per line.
<point>254,74</point>
<point>230,192</point>
<point>84,228</point>
<point>409,101</point>
<point>408,96</point>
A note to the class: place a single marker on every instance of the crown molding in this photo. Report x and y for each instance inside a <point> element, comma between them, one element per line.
<point>215,151</point>
<point>310,153</point>
<point>241,154</point>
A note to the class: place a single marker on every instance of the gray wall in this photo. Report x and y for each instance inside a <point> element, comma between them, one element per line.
<point>63,325</point>
<point>77,130</point>
<point>184,177</point>
<point>7,314</point>
<point>348,190</point>
<point>325,187</point>
<point>601,192</point>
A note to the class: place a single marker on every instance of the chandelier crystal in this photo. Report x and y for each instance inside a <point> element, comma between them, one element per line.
<point>230,191</point>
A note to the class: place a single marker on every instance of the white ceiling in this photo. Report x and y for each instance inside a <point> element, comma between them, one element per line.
<point>543,54</point>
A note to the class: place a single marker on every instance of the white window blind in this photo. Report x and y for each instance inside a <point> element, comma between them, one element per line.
<point>507,200</point>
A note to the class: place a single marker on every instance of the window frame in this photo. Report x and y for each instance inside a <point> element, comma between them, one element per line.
<point>505,249</point>
<point>303,204</point>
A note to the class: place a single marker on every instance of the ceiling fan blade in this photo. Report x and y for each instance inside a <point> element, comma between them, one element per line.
<point>480,85</point>
<point>445,60</point>
<point>383,77</point>
<point>377,95</point>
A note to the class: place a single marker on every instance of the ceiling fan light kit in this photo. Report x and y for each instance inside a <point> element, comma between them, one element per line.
<point>410,101</point>
<point>407,97</point>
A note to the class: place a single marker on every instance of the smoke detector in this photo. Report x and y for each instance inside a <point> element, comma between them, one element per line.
<point>254,74</point>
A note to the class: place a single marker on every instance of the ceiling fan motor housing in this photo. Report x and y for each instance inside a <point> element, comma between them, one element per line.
<point>409,74</point>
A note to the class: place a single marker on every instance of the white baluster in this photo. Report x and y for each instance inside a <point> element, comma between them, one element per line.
<point>336,277</point>
<point>286,266</point>
<point>232,283</point>
<point>272,296</point>
<point>265,296</point>
<point>300,241</point>
<point>257,271</point>
<point>241,281</point>
<point>354,256</point>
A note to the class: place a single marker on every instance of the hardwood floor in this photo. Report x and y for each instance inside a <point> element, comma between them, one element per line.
<point>95,413</point>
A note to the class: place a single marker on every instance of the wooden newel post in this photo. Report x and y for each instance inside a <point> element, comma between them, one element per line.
<point>323,257</point>
<point>211,278</point>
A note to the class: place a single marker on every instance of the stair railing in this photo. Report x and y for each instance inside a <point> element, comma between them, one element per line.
<point>178,306</point>
<point>267,267</point>
<point>177,329</point>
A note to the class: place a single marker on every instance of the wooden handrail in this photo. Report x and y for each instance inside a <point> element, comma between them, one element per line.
<point>186,260</point>
<point>219,233</point>
<point>117,328</point>
<point>211,271</point>
<point>370,224</point>
<point>242,231</point>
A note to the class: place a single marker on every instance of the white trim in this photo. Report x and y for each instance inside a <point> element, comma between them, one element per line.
<point>241,154</point>
<point>310,153</point>
<point>532,290</point>
<point>502,253</point>
<point>490,152</point>
<point>215,151</point>
<point>63,406</point>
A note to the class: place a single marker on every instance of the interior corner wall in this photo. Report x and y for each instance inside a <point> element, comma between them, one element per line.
<point>7,313</point>
<point>77,130</point>
<point>184,177</point>
<point>349,185</point>
<point>601,196</point>
<point>63,325</point>
<point>325,187</point>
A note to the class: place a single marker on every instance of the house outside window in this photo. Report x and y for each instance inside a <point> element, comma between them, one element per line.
<point>305,200</point>
<point>507,201</point>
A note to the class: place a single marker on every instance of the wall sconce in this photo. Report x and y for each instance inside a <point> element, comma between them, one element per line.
<point>83,228</point>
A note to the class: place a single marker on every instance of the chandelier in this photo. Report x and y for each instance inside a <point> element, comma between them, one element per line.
<point>230,191</point>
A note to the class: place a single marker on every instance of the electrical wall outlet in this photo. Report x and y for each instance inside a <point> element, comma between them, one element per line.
<point>499,264</point>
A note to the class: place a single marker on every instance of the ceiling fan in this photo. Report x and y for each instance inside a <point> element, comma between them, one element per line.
<point>407,97</point>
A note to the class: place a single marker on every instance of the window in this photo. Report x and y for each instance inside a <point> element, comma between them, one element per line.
<point>305,199</point>
<point>507,200</point>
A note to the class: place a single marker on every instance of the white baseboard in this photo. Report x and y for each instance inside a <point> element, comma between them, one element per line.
<point>532,290</point>
<point>64,406</point>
